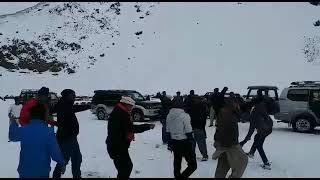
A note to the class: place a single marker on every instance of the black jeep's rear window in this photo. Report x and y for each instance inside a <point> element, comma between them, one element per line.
<point>298,94</point>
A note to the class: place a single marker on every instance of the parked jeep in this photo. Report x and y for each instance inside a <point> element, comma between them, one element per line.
<point>300,105</point>
<point>104,101</point>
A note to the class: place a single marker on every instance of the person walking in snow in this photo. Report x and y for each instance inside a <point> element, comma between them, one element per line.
<point>14,111</point>
<point>68,130</point>
<point>38,145</point>
<point>260,120</point>
<point>165,107</point>
<point>212,113</point>
<point>181,140</point>
<point>228,150</point>
<point>120,134</point>
<point>178,97</point>
<point>197,109</point>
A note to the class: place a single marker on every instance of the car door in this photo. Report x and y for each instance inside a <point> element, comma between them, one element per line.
<point>296,101</point>
<point>314,102</point>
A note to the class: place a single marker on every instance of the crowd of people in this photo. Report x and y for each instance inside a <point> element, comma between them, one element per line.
<point>183,128</point>
<point>184,122</point>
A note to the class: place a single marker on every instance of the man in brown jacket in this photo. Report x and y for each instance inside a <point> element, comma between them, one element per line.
<point>228,151</point>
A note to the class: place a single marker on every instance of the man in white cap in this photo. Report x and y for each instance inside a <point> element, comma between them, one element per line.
<point>120,134</point>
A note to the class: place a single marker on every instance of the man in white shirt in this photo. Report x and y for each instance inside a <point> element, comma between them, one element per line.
<point>14,111</point>
<point>181,140</point>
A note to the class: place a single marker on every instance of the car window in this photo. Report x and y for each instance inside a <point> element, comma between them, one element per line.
<point>298,94</point>
<point>114,96</point>
<point>272,94</point>
<point>254,93</point>
<point>53,96</point>
<point>136,96</point>
<point>316,96</point>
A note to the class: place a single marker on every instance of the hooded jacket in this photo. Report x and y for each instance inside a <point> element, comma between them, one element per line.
<point>178,124</point>
<point>38,147</point>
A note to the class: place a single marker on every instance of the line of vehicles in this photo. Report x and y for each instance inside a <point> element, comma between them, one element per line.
<point>298,105</point>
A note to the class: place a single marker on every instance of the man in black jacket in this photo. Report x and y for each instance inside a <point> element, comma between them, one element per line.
<point>68,130</point>
<point>260,120</point>
<point>120,134</point>
<point>198,114</point>
<point>165,107</point>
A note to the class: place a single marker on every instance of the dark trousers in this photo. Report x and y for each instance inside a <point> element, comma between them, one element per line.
<point>200,138</point>
<point>183,149</point>
<point>164,135</point>
<point>70,150</point>
<point>122,161</point>
<point>258,145</point>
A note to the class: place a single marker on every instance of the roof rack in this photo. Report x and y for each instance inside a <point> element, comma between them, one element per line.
<point>305,84</point>
<point>28,90</point>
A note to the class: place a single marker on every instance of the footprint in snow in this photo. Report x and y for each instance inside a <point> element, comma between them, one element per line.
<point>137,172</point>
<point>157,145</point>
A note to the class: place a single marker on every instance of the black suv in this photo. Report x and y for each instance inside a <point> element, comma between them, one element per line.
<point>104,101</point>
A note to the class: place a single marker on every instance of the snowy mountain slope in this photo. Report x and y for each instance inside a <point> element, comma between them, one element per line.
<point>183,46</point>
<point>66,36</point>
<point>13,7</point>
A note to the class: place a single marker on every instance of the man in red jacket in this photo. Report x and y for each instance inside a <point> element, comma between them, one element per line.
<point>43,98</point>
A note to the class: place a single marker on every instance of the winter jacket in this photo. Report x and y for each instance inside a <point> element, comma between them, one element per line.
<point>166,105</point>
<point>178,98</point>
<point>38,147</point>
<point>67,121</point>
<point>227,132</point>
<point>25,114</point>
<point>178,124</point>
<point>121,128</point>
<point>259,119</point>
<point>198,112</point>
<point>217,100</point>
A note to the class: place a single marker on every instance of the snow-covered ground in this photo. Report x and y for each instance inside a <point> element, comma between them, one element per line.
<point>292,154</point>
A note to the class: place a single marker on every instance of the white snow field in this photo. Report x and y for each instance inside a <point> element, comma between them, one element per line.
<point>292,154</point>
<point>184,46</point>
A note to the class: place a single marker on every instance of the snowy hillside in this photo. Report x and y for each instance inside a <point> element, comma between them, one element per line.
<point>152,47</point>
<point>13,7</point>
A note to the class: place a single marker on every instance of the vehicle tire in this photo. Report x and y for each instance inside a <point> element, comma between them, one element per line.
<point>137,116</point>
<point>101,114</point>
<point>303,124</point>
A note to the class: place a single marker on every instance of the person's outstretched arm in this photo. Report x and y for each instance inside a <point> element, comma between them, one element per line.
<point>142,127</point>
<point>79,108</point>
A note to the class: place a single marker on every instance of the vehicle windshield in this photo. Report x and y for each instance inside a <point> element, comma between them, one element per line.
<point>136,96</point>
